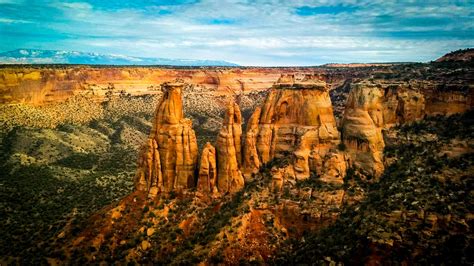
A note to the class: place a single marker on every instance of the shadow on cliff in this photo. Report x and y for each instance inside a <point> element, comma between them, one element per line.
<point>416,213</point>
<point>40,198</point>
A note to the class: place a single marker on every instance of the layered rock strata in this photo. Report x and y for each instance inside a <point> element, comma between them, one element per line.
<point>376,105</point>
<point>207,179</point>
<point>296,118</point>
<point>41,85</point>
<point>149,177</point>
<point>176,146</point>
<point>362,129</point>
<point>229,151</point>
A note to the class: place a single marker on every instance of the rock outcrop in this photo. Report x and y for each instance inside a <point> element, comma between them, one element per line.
<point>334,168</point>
<point>373,106</point>
<point>362,129</point>
<point>296,118</point>
<point>207,179</point>
<point>229,151</point>
<point>149,177</point>
<point>251,160</point>
<point>176,145</point>
<point>40,85</point>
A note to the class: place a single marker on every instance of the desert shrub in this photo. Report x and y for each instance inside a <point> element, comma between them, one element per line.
<point>341,146</point>
<point>79,161</point>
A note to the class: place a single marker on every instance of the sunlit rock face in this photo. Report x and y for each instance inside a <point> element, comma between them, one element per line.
<point>408,101</point>
<point>251,160</point>
<point>229,151</point>
<point>38,86</point>
<point>446,98</point>
<point>207,179</point>
<point>362,128</point>
<point>176,145</point>
<point>149,177</point>
<point>296,120</point>
<point>376,105</point>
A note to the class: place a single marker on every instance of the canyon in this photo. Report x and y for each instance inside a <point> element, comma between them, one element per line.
<point>339,163</point>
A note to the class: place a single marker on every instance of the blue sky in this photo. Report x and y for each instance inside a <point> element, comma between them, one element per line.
<point>264,33</point>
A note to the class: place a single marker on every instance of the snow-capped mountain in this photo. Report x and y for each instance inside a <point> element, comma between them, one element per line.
<point>34,56</point>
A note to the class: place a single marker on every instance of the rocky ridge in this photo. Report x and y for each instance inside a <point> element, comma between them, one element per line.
<point>374,106</point>
<point>296,121</point>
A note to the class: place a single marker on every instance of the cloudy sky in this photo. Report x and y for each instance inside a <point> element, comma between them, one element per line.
<point>266,32</point>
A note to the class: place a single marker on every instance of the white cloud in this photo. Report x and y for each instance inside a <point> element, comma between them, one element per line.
<point>10,21</point>
<point>262,32</point>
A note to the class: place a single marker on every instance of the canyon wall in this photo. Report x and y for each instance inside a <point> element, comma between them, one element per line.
<point>373,106</point>
<point>40,85</point>
<point>296,123</point>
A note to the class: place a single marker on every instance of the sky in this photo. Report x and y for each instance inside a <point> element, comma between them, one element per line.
<point>246,32</point>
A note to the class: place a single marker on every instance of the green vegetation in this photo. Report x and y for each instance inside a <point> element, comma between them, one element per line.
<point>36,205</point>
<point>72,169</point>
<point>417,212</point>
<point>79,161</point>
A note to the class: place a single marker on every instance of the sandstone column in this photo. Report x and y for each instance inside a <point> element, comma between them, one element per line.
<point>207,170</point>
<point>175,141</point>
<point>362,128</point>
<point>229,177</point>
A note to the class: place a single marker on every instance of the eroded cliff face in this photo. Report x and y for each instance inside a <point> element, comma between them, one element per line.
<point>35,85</point>
<point>229,151</point>
<point>411,101</point>
<point>173,141</point>
<point>373,106</point>
<point>207,179</point>
<point>362,129</point>
<point>149,177</point>
<point>169,158</point>
<point>296,121</point>
<point>297,118</point>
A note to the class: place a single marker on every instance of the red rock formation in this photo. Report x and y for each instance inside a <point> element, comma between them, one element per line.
<point>373,106</point>
<point>175,141</point>
<point>207,170</point>
<point>362,129</point>
<point>291,111</point>
<point>229,158</point>
<point>251,160</point>
<point>148,177</point>
<point>38,86</point>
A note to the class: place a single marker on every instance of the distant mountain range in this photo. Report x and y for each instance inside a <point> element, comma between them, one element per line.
<point>35,56</point>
